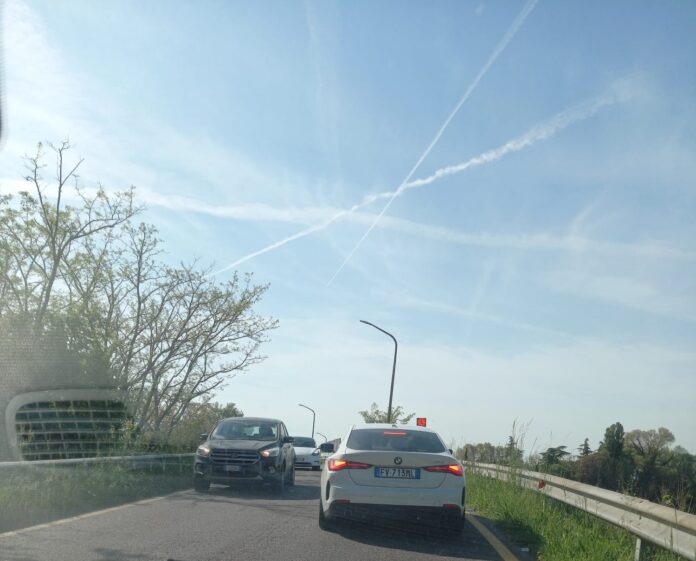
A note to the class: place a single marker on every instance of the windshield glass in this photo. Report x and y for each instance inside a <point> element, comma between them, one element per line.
<point>304,442</point>
<point>396,440</point>
<point>245,430</point>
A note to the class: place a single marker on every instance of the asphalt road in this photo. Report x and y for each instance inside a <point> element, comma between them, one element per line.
<point>230,524</point>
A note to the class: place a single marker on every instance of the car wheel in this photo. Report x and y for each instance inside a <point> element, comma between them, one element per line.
<point>291,477</point>
<point>324,522</point>
<point>200,484</point>
<point>279,484</point>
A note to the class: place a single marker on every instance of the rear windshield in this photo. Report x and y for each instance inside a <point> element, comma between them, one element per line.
<point>304,442</point>
<point>395,440</point>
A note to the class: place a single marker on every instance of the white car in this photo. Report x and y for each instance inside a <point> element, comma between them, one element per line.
<point>393,475</point>
<point>306,453</point>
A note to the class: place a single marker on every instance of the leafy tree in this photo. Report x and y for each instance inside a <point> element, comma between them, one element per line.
<point>37,236</point>
<point>483,452</point>
<point>613,443</point>
<point>375,415</point>
<point>651,455</point>
<point>512,453</point>
<point>554,455</point>
<point>616,463</point>
<point>584,448</point>
<point>200,418</point>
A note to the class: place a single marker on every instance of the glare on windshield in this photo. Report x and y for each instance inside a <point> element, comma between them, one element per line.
<point>236,430</point>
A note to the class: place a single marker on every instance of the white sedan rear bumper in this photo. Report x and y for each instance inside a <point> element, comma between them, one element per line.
<point>395,496</point>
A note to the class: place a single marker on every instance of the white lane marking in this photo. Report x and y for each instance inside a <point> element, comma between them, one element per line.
<point>504,552</point>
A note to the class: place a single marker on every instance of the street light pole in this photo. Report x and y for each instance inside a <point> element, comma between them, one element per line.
<point>396,347</point>
<point>314,416</point>
<point>321,434</point>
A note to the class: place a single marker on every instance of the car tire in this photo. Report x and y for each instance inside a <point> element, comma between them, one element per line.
<point>291,477</point>
<point>201,485</point>
<point>279,484</point>
<point>325,523</point>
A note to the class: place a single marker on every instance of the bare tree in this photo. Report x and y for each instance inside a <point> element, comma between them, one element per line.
<point>38,235</point>
<point>167,336</point>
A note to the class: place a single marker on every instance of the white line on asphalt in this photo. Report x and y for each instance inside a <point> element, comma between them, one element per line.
<point>499,546</point>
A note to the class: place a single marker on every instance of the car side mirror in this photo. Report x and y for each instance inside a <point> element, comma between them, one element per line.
<point>203,436</point>
<point>288,440</point>
<point>450,451</point>
<point>327,447</point>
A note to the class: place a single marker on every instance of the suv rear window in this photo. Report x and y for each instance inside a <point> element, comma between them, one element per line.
<point>395,440</point>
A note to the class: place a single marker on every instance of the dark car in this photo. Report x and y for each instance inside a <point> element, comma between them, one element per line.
<point>245,449</point>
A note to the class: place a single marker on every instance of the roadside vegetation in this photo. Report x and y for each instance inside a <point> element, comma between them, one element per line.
<point>550,529</point>
<point>36,494</point>
<point>641,463</point>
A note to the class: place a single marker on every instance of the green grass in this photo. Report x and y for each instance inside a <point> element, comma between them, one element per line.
<point>35,494</point>
<point>552,530</point>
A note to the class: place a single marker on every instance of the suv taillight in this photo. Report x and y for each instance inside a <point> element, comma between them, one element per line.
<point>338,465</point>
<point>454,469</point>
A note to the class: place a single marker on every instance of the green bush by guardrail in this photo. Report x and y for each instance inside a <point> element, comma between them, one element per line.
<point>552,530</point>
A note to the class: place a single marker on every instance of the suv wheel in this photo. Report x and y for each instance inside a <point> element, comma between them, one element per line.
<point>291,475</point>
<point>201,485</point>
<point>279,484</point>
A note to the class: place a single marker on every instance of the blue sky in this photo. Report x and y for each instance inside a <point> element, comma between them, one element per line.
<point>553,284</point>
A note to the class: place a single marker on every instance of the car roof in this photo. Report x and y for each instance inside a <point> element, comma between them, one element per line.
<point>390,426</point>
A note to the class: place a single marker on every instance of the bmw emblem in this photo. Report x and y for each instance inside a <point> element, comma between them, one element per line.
<point>398,460</point>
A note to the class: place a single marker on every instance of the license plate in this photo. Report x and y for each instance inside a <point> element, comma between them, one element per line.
<point>398,473</point>
<point>233,468</point>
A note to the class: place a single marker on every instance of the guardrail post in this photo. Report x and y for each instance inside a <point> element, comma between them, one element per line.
<point>636,556</point>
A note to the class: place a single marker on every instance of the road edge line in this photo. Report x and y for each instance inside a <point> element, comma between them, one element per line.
<point>500,548</point>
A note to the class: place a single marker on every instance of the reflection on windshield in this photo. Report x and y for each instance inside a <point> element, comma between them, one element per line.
<point>239,430</point>
<point>304,442</point>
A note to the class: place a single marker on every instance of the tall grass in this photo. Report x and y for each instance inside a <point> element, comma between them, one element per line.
<point>552,530</point>
<point>34,494</point>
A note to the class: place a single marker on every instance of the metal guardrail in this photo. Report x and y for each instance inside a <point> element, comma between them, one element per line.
<point>138,460</point>
<point>666,527</point>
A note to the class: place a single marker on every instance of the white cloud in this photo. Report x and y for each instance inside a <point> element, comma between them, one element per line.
<point>474,314</point>
<point>633,292</point>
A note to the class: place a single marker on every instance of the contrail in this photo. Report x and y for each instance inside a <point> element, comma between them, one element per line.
<point>541,131</point>
<point>502,44</point>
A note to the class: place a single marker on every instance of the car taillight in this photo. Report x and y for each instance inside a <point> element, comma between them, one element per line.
<point>454,469</point>
<point>337,465</point>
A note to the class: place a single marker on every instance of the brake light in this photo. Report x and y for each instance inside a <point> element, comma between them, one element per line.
<point>338,465</point>
<point>454,469</point>
<point>394,433</point>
